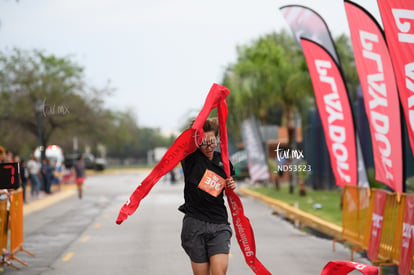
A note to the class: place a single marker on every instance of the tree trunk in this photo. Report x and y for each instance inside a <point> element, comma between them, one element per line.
<point>292,144</point>
<point>302,188</point>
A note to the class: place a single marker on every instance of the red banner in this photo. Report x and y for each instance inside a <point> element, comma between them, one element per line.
<point>242,226</point>
<point>398,20</point>
<point>376,224</point>
<point>380,94</point>
<point>335,112</point>
<point>406,254</point>
<point>344,267</point>
<point>187,143</point>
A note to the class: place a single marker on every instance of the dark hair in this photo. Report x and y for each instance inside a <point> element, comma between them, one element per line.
<point>211,124</point>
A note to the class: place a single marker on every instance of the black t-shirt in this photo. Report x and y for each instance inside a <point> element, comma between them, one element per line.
<point>198,203</point>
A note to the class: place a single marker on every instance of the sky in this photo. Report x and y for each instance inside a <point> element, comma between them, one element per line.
<point>161,57</point>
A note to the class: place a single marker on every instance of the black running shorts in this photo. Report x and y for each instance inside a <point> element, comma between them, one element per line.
<point>201,239</point>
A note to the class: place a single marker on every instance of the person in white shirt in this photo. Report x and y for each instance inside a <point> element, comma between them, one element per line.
<point>34,169</point>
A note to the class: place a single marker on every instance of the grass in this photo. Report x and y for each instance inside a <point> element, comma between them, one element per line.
<point>329,200</point>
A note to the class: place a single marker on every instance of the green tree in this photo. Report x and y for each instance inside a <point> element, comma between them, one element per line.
<point>345,52</point>
<point>269,73</point>
<point>69,108</point>
<point>68,104</point>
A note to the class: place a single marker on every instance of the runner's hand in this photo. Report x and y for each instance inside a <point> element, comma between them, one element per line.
<point>230,183</point>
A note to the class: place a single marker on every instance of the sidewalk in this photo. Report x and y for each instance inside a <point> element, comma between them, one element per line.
<point>45,200</point>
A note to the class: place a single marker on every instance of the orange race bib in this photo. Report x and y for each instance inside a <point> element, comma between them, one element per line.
<point>211,183</point>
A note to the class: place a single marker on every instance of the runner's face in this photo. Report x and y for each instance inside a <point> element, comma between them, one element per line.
<point>209,144</point>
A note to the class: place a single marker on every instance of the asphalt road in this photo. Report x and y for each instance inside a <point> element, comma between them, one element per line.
<point>79,237</point>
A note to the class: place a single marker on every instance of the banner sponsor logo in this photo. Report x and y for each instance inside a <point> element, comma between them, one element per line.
<point>402,19</point>
<point>380,95</point>
<point>376,224</point>
<point>335,112</point>
<point>408,230</point>
<point>407,237</point>
<point>378,91</point>
<point>398,21</point>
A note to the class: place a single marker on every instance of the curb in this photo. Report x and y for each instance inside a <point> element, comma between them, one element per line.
<point>296,215</point>
<point>49,200</point>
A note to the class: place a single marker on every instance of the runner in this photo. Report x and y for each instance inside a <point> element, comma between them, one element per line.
<point>80,175</point>
<point>206,232</point>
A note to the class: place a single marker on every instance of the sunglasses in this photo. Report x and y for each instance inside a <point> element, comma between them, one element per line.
<point>213,142</point>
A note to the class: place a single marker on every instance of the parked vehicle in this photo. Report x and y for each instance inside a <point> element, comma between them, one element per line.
<point>100,164</point>
<point>239,160</point>
<point>91,162</point>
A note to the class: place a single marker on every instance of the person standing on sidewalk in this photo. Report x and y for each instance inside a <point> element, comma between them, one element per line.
<point>2,155</point>
<point>48,171</point>
<point>206,232</point>
<point>24,175</point>
<point>80,175</point>
<point>34,170</point>
<point>57,175</point>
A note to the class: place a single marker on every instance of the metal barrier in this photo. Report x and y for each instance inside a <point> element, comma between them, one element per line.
<point>356,209</point>
<point>361,224</point>
<point>358,217</point>
<point>404,234</point>
<point>354,219</point>
<point>3,225</point>
<point>399,220</point>
<point>11,221</point>
<point>388,228</point>
<point>16,226</point>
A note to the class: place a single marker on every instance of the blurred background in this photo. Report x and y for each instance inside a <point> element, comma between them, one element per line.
<point>118,81</point>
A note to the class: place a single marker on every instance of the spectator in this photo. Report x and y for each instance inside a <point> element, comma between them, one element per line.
<point>281,161</point>
<point>3,192</point>
<point>173,178</point>
<point>57,175</point>
<point>23,175</point>
<point>2,155</point>
<point>47,171</point>
<point>9,156</point>
<point>34,171</point>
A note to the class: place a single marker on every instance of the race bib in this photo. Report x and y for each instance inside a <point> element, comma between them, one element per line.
<point>211,183</point>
